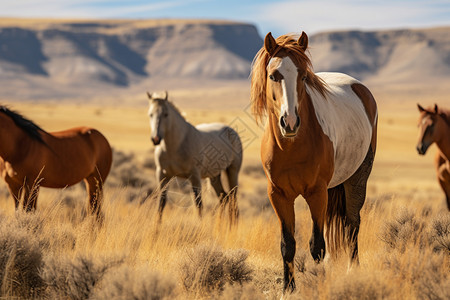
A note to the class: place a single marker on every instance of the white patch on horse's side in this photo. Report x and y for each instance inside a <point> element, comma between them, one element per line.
<point>289,101</point>
<point>344,120</point>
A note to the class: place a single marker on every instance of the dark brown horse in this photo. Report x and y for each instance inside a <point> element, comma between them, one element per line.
<point>31,157</point>
<point>434,127</point>
<point>319,142</point>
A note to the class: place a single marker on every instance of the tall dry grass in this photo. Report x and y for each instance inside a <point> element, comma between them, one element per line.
<point>60,253</point>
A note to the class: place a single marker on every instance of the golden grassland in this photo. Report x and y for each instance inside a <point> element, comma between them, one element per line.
<point>58,252</point>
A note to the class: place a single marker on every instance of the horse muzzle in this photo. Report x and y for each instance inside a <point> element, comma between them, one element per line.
<point>422,148</point>
<point>287,129</point>
<point>156,140</point>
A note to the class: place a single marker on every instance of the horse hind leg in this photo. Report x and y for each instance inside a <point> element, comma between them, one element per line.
<point>355,196</point>
<point>216,183</point>
<point>231,198</point>
<point>94,188</point>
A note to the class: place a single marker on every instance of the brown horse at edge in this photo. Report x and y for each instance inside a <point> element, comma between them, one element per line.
<point>434,127</point>
<point>31,157</point>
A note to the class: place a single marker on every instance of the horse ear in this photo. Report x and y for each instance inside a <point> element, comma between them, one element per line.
<point>167,95</point>
<point>436,109</point>
<point>421,109</point>
<point>150,97</point>
<point>270,44</point>
<point>303,41</point>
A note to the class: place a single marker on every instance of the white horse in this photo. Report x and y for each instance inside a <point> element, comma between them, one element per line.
<point>185,151</point>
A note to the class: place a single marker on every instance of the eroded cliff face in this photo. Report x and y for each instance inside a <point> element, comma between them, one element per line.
<point>393,55</point>
<point>67,59</point>
<point>120,53</point>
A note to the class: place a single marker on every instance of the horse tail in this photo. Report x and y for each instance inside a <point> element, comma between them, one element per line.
<point>233,207</point>
<point>335,218</point>
<point>103,153</point>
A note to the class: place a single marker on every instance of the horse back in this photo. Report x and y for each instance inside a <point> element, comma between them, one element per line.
<point>218,146</point>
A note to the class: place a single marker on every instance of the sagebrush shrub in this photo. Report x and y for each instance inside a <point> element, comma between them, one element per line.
<point>74,278</point>
<point>440,234</point>
<point>20,261</point>
<point>206,268</point>
<point>405,230</point>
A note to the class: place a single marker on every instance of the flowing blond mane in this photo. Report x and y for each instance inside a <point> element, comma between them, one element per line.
<point>287,45</point>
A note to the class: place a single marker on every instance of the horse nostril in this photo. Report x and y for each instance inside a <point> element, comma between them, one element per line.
<point>156,140</point>
<point>297,124</point>
<point>282,122</point>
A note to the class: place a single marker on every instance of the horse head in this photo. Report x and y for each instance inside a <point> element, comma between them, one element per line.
<point>286,76</point>
<point>430,127</point>
<point>158,113</point>
<point>281,71</point>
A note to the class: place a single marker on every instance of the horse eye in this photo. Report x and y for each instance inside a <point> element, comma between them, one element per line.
<point>271,77</point>
<point>166,114</point>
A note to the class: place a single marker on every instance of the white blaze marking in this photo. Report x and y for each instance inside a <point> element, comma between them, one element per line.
<point>153,120</point>
<point>289,101</point>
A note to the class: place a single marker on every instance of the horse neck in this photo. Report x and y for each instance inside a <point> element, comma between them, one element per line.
<point>177,131</point>
<point>13,140</point>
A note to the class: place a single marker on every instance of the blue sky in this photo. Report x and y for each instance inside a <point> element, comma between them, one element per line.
<point>277,16</point>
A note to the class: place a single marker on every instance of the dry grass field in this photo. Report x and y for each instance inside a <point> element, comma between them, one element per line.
<point>58,252</point>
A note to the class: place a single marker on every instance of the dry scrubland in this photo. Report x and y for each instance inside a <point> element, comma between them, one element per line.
<point>58,252</point>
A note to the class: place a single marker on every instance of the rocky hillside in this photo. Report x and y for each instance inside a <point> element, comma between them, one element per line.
<point>71,59</point>
<point>396,55</point>
<point>120,52</point>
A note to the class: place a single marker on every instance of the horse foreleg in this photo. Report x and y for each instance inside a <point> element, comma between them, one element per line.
<point>284,208</point>
<point>15,191</point>
<point>317,203</point>
<point>197,189</point>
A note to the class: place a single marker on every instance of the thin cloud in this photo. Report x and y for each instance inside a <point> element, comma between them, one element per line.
<point>314,16</point>
<point>89,8</point>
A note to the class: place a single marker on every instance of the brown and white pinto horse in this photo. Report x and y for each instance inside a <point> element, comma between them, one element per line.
<point>434,127</point>
<point>319,142</point>
<point>31,157</point>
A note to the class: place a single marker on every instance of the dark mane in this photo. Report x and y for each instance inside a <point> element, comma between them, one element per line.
<point>26,125</point>
<point>445,115</point>
<point>289,44</point>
